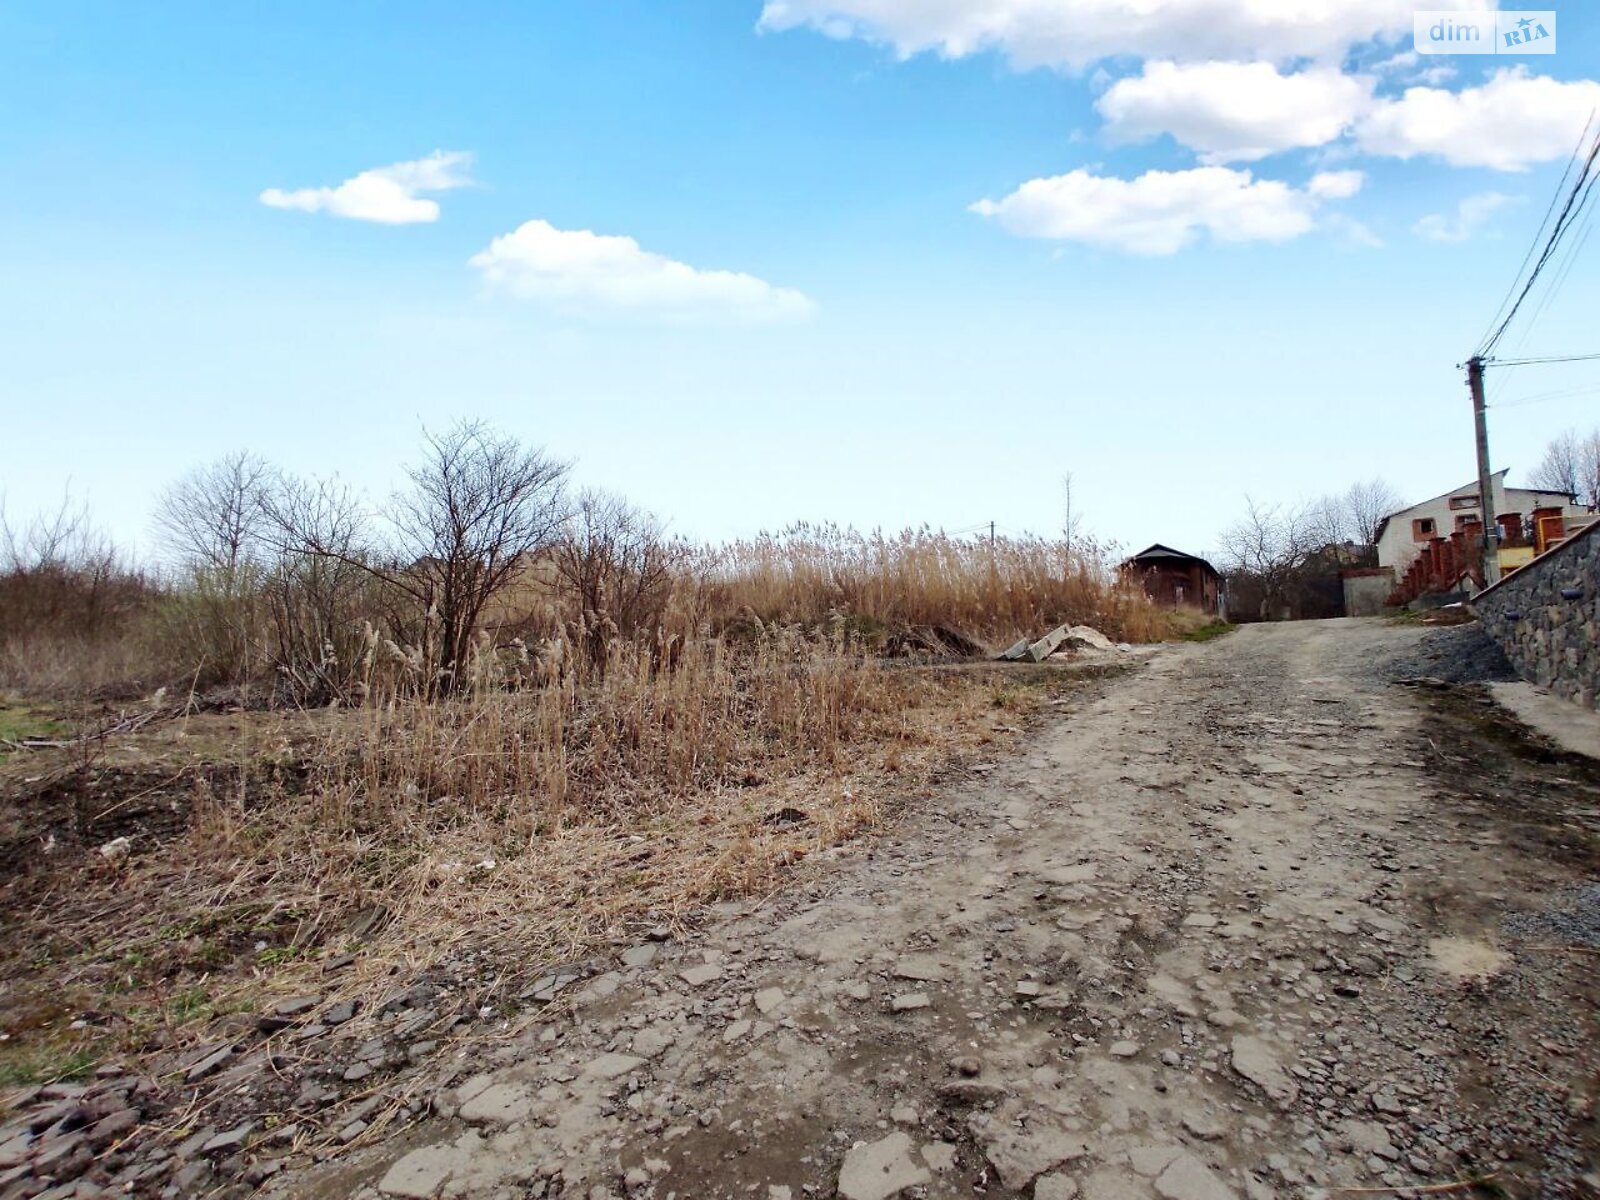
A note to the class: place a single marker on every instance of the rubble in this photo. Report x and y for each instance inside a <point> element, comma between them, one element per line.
<point>1062,640</point>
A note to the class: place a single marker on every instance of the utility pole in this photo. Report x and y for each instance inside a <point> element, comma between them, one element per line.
<point>1491,542</point>
<point>991,537</point>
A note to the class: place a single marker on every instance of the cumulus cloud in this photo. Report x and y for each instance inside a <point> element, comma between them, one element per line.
<point>388,195</point>
<point>1241,112</point>
<point>1233,111</point>
<point>579,269</point>
<point>1073,33</point>
<point>1160,212</point>
<point>1213,78</point>
<point>1470,216</point>
<point>1508,123</point>
<point>1335,185</point>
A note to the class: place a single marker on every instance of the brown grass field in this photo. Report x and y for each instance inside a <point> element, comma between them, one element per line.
<point>559,804</point>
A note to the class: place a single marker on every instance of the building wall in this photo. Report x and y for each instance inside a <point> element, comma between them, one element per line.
<point>1398,547</point>
<point>1173,584</point>
<point>1366,592</point>
<point>1546,617</point>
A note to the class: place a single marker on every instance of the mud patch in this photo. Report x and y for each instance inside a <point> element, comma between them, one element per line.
<point>1465,959</point>
<point>1502,776</point>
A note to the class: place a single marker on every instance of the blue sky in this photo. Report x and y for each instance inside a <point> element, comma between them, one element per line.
<point>818,317</point>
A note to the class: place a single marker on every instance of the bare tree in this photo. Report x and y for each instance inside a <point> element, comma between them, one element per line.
<point>1558,469</point>
<point>617,563</point>
<point>1589,471</point>
<point>1270,544</point>
<point>480,508</point>
<point>1328,522</point>
<point>1071,519</point>
<point>1366,505</point>
<point>1571,464</point>
<point>214,516</point>
<point>53,539</point>
<point>321,585</point>
<point>1351,517</point>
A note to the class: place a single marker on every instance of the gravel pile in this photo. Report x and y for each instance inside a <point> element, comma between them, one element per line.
<point>1577,922</point>
<point>1455,654</point>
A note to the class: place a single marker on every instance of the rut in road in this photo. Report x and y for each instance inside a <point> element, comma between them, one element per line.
<point>1225,931</point>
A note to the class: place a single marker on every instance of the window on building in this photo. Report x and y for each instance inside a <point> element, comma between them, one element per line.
<point>1422,529</point>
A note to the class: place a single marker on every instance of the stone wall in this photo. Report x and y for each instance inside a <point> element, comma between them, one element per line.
<point>1546,617</point>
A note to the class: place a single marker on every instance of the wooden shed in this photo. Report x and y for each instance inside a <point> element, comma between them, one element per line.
<point>1175,579</point>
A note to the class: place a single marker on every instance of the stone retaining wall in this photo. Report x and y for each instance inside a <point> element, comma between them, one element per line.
<point>1546,617</point>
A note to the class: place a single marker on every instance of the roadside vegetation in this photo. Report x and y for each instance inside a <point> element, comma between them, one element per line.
<point>495,716</point>
<point>1210,631</point>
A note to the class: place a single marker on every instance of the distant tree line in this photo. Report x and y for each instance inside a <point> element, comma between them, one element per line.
<point>304,585</point>
<point>1277,556</point>
<point>1571,463</point>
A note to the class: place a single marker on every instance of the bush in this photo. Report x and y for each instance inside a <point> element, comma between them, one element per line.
<point>294,592</point>
<point>70,610</point>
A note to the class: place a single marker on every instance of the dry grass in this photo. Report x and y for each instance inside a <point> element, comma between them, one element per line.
<point>44,665</point>
<point>515,829</point>
<point>549,815</point>
<point>293,633</point>
<point>558,805</point>
<point>1000,591</point>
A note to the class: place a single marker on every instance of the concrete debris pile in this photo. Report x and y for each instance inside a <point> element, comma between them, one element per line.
<point>1062,642</point>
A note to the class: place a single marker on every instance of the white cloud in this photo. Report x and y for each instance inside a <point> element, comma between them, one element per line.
<point>1073,33</point>
<point>1160,212</point>
<point>1509,123</point>
<point>578,269</point>
<point>1335,185</point>
<point>1232,111</point>
<point>1471,214</point>
<point>387,195</point>
<point>1416,68</point>
<point>1403,63</point>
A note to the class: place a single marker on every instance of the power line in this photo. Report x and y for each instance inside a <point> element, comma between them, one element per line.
<point>1569,258</point>
<point>1546,397</point>
<point>1551,358</point>
<point>1550,208</point>
<point>1578,199</point>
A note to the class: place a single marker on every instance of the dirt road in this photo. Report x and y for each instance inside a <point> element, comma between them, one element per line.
<point>1256,921</point>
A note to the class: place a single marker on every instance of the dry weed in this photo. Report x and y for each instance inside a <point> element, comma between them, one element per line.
<point>999,590</point>
<point>518,828</point>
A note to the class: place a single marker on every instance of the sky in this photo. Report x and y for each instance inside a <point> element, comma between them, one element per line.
<point>876,262</point>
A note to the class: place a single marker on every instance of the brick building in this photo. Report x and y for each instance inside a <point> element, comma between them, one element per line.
<point>1175,579</point>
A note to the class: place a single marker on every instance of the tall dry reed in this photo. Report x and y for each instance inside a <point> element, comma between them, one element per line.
<point>1008,588</point>
<point>631,736</point>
